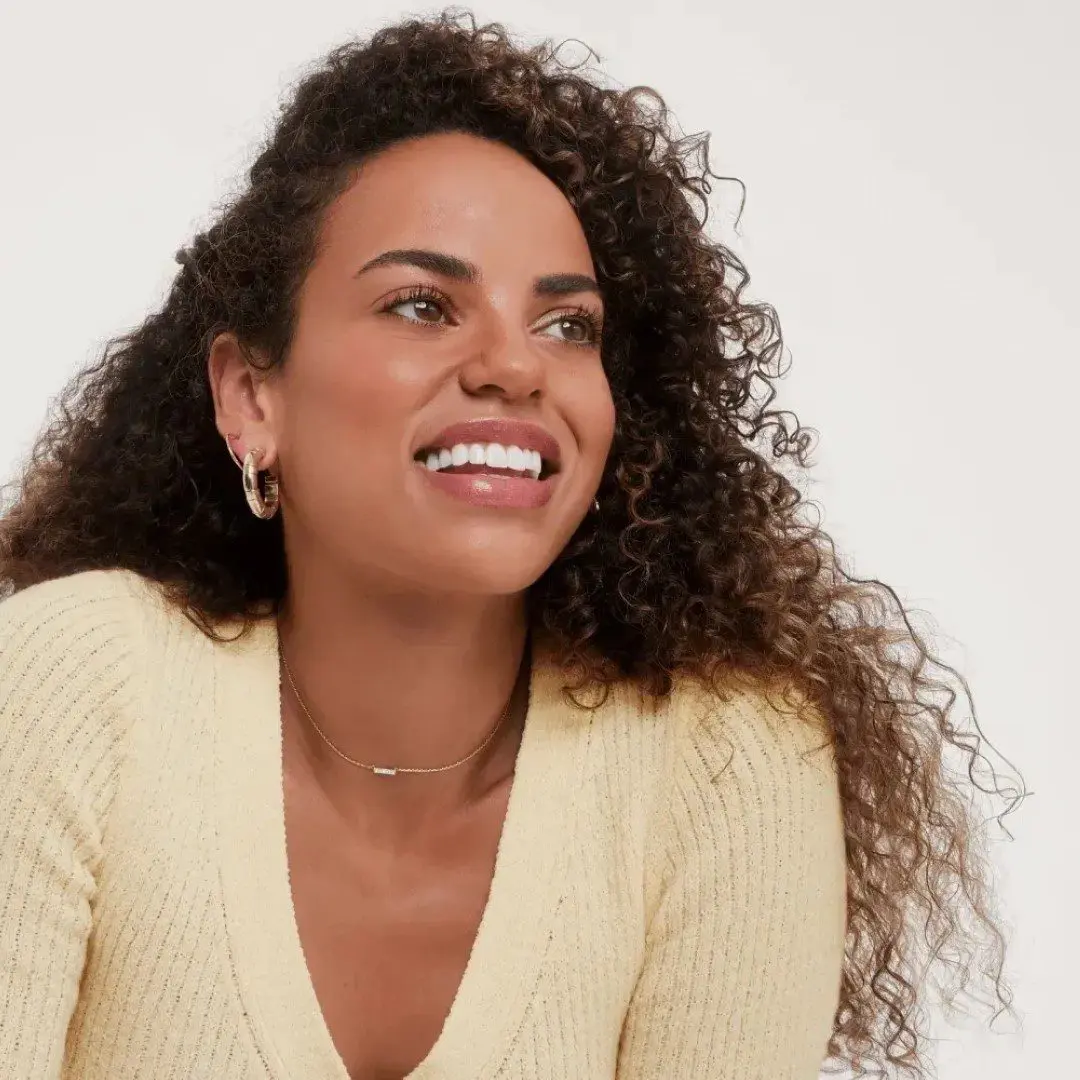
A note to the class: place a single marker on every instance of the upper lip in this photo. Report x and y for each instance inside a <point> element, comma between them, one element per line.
<point>498,429</point>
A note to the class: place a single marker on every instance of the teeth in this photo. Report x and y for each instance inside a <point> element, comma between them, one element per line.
<point>493,455</point>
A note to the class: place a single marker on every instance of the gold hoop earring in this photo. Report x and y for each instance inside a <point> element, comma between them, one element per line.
<point>263,503</point>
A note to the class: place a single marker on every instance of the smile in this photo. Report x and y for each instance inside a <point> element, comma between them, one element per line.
<point>492,461</point>
<point>489,474</point>
<point>494,458</point>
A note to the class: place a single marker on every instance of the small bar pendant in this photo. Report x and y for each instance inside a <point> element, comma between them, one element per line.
<point>378,771</point>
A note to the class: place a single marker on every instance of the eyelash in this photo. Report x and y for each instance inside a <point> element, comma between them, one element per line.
<point>426,292</point>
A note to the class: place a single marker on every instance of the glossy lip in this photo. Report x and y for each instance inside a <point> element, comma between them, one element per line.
<point>488,489</point>
<point>499,429</point>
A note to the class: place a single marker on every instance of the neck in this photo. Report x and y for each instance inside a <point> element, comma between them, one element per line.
<point>400,679</point>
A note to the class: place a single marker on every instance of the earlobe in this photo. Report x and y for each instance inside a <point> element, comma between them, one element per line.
<point>240,446</point>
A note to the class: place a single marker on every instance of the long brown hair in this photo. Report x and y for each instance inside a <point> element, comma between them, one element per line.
<point>702,557</point>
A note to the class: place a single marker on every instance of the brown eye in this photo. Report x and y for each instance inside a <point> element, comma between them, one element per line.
<point>428,306</point>
<point>575,329</point>
<point>425,309</point>
<point>578,329</point>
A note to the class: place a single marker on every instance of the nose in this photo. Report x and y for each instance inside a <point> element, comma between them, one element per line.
<point>503,363</point>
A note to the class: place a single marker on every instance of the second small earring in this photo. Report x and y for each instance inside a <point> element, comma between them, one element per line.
<point>232,452</point>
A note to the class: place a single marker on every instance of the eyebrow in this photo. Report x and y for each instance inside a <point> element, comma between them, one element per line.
<point>450,266</point>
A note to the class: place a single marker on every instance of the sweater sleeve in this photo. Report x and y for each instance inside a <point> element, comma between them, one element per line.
<point>741,976</point>
<point>64,666</point>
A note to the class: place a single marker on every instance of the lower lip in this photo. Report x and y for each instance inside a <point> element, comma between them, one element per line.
<point>489,489</point>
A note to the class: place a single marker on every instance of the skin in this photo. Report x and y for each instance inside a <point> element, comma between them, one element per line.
<point>390,577</point>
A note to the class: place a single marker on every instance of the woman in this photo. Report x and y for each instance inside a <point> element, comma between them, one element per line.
<point>502,719</point>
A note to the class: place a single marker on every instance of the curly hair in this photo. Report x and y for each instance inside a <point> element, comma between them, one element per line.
<point>700,560</point>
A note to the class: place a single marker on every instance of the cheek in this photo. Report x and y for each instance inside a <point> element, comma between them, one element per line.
<point>349,397</point>
<point>593,417</point>
<point>346,410</point>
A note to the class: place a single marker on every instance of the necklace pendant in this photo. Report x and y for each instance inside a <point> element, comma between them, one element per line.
<point>380,771</point>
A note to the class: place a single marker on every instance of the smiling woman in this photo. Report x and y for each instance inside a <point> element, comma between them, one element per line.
<point>503,719</point>
<point>475,302</point>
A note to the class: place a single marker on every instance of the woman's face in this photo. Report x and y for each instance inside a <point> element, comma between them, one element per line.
<point>447,347</point>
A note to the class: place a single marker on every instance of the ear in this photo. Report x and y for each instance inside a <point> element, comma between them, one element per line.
<point>241,410</point>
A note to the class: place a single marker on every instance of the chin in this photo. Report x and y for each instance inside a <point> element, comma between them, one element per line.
<point>479,573</point>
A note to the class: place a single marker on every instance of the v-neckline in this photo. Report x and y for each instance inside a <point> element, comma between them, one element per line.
<point>267,956</point>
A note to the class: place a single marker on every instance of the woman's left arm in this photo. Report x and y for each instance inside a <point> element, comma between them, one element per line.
<point>741,976</point>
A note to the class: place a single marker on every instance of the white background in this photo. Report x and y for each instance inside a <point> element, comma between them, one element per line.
<point>913,177</point>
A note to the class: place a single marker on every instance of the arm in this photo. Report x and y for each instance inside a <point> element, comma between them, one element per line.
<point>741,976</point>
<point>61,682</point>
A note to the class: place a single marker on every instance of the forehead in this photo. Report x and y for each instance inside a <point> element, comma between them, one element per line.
<point>461,194</point>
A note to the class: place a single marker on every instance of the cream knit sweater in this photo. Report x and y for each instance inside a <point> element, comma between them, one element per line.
<point>668,900</point>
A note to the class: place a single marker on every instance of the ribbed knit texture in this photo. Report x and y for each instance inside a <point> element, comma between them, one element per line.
<point>668,900</point>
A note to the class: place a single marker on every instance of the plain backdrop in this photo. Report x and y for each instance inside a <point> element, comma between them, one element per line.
<point>912,175</point>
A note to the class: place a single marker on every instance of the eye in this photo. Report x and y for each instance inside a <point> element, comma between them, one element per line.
<point>428,305</point>
<point>578,327</point>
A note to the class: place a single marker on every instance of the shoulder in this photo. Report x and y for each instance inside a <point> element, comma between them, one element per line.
<point>751,764</point>
<point>71,653</point>
<point>748,725</point>
<point>90,605</point>
<point>97,634</point>
<point>763,739</point>
<point>729,727</point>
<point>73,666</point>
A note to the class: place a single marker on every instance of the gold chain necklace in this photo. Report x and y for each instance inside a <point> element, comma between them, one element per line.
<point>384,770</point>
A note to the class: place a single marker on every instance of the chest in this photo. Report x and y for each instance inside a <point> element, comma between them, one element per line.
<point>387,934</point>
